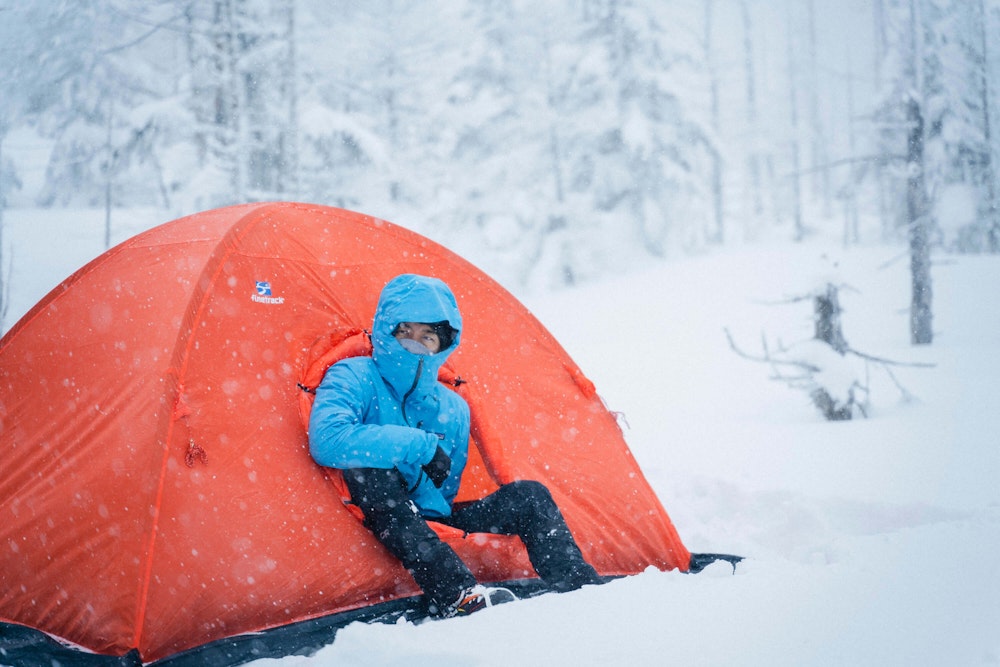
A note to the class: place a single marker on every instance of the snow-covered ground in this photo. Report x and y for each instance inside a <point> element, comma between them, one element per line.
<point>871,542</point>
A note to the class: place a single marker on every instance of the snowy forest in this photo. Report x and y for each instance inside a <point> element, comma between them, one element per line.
<point>551,143</point>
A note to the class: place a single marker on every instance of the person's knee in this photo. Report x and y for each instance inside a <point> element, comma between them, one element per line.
<point>531,492</point>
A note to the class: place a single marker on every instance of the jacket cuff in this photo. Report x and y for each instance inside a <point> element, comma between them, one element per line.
<point>431,450</point>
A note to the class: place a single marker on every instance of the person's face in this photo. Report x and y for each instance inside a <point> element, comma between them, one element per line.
<point>420,332</point>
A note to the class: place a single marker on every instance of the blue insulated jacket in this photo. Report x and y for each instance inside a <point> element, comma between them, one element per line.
<point>389,410</point>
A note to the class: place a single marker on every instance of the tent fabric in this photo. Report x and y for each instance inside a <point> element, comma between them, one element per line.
<point>157,491</point>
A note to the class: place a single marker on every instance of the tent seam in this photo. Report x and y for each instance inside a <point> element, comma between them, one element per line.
<point>180,371</point>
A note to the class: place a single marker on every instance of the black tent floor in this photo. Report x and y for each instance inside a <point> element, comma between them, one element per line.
<point>21,646</point>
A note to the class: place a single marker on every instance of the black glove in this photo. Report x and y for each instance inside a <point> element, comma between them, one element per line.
<point>438,467</point>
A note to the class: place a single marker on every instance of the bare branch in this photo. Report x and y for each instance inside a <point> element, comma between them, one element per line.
<point>907,396</point>
<point>890,362</point>
<point>767,358</point>
<point>889,262</point>
<point>865,159</point>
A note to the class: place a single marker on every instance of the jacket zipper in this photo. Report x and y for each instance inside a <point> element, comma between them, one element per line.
<point>416,380</point>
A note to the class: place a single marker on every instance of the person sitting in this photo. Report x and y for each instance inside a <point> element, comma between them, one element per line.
<point>401,440</point>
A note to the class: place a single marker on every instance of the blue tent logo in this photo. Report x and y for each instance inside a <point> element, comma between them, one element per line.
<point>264,294</point>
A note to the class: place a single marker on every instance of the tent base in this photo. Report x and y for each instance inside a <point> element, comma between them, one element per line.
<point>21,645</point>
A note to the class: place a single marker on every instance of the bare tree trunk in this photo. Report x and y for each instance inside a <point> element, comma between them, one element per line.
<point>719,233</point>
<point>199,93</point>
<point>989,172</point>
<point>826,306</point>
<point>851,232</point>
<point>753,158</point>
<point>917,210</point>
<point>290,163</point>
<point>555,148</point>
<point>223,132</point>
<point>239,142</point>
<point>109,174</point>
<point>921,332</point>
<point>821,173</point>
<point>796,165</point>
<point>884,179</point>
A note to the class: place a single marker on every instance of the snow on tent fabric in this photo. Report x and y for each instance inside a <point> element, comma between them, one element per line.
<point>157,491</point>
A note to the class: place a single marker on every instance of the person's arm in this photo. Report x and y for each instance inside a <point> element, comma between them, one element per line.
<point>338,438</point>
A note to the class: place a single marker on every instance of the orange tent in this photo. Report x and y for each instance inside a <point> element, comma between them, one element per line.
<point>157,492</point>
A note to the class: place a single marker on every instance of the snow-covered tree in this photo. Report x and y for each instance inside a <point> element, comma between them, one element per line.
<point>368,97</point>
<point>104,151</point>
<point>508,110</point>
<point>958,76</point>
<point>937,118</point>
<point>243,96</point>
<point>648,157</point>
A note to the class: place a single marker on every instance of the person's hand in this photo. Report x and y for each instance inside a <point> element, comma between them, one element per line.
<point>438,467</point>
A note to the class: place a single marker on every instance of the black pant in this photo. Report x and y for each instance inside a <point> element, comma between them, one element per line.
<point>522,508</point>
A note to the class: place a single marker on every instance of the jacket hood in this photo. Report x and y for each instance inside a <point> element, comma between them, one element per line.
<point>412,298</point>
